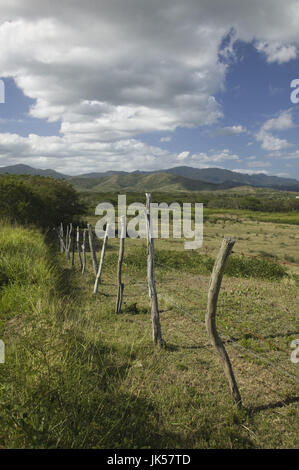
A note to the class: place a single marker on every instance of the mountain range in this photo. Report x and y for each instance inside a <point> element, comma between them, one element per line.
<point>182,178</point>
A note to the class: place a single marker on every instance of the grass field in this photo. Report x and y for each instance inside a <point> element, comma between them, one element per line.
<point>77,375</point>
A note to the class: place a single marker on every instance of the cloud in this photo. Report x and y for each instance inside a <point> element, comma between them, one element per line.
<point>250,172</point>
<point>110,70</point>
<point>293,155</point>
<point>259,164</point>
<point>75,157</point>
<point>282,122</point>
<point>183,155</point>
<point>165,139</point>
<point>269,142</point>
<point>230,130</point>
<point>217,157</point>
<point>277,52</point>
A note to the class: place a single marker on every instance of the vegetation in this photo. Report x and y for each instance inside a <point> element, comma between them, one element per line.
<point>78,376</point>
<point>136,182</point>
<point>194,262</point>
<point>43,201</point>
<point>263,204</point>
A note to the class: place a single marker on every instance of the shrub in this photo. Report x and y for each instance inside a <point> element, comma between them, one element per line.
<point>38,200</point>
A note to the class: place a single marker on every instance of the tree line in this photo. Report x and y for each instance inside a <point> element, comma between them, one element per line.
<point>274,201</point>
<point>38,200</point>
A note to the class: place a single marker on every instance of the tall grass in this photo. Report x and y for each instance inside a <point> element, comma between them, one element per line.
<point>58,388</point>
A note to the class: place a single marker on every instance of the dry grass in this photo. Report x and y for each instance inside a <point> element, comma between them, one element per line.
<point>80,376</point>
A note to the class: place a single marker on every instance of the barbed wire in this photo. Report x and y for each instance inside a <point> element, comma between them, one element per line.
<point>235,342</point>
<point>231,340</point>
<point>241,330</point>
<point>211,351</point>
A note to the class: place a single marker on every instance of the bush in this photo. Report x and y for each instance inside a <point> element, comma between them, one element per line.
<point>43,201</point>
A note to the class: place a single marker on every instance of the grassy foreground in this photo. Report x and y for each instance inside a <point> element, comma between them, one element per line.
<point>76,375</point>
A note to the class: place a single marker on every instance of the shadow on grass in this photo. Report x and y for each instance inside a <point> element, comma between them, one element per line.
<point>83,400</point>
<point>271,406</point>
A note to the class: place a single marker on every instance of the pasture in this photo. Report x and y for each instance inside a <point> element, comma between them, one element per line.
<point>79,376</point>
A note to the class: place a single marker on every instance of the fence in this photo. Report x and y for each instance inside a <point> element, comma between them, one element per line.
<point>72,240</point>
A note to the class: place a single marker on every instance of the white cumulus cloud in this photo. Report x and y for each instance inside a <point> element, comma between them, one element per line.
<point>108,71</point>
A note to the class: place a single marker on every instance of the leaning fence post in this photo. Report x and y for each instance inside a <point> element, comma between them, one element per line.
<point>78,247</point>
<point>99,273</point>
<point>84,251</point>
<point>120,288</point>
<point>157,335</point>
<point>214,288</point>
<point>92,249</point>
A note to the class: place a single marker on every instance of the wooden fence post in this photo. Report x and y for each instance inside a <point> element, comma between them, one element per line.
<point>92,249</point>
<point>78,247</point>
<point>214,288</point>
<point>59,232</point>
<point>68,240</point>
<point>99,273</point>
<point>157,335</point>
<point>84,251</point>
<point>61,238</point>
<point>73,249</point>
<point>120,288</point>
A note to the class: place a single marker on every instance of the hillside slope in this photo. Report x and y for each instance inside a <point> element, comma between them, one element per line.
<point>21,169</point>
<point>137,183</point>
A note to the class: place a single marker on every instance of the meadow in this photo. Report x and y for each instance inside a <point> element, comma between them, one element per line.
<point>77,375</point>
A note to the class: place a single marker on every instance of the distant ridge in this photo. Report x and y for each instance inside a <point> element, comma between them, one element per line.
<point>21,169</point>
<point>182,178</point>
<point>222,176</point>
<point>132,182</point>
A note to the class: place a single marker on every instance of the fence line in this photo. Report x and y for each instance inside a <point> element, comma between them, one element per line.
<point>236,343</point>
<point>241,330</point>
<point>213,292</point>
<point>208,347</point>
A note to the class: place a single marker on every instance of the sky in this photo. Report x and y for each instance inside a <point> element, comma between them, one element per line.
<point>150,84</point>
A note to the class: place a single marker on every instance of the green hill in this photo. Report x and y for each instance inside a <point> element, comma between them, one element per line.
<point>21,169</point>
<point>133,182</point>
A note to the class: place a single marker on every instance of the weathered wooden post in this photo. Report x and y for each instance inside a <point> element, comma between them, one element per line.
<point>99,273</point>
<point>59,232</point>
<point>69,229</point>
<point>214,288</point>
<point>73,249</point>
<point>120,288</point>
<point>79,248</point>
<point>66,240</point>
<point>61,238</point>
<point>157,335</point>
<point>92,249</point>
<point>84,251</point>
